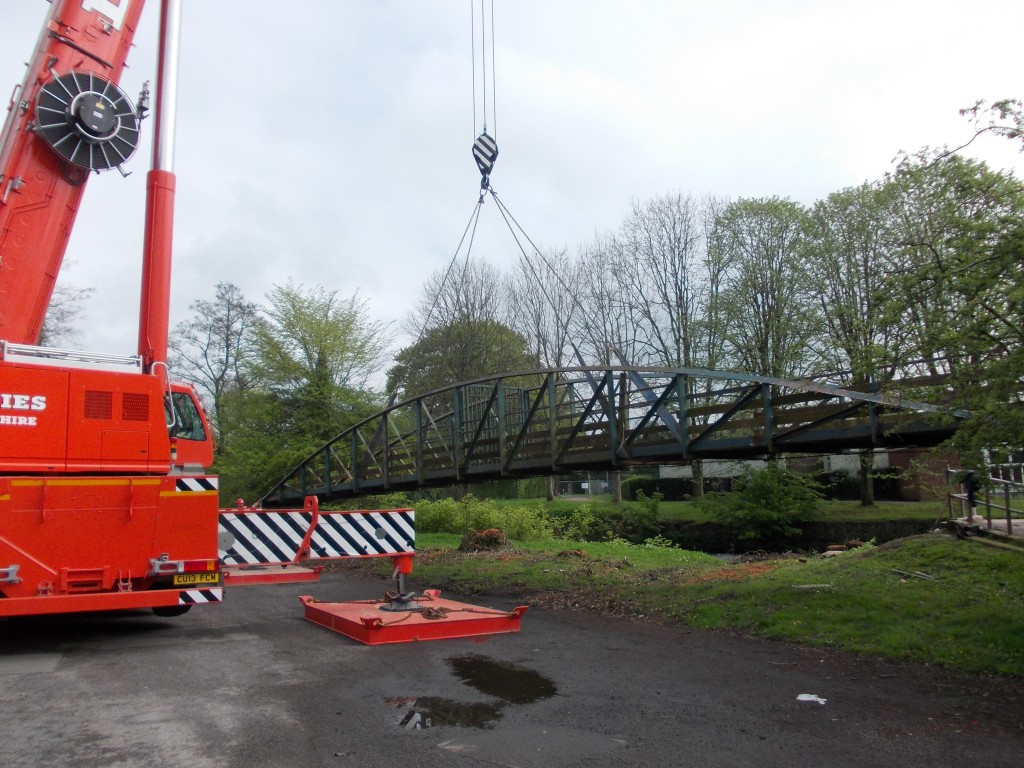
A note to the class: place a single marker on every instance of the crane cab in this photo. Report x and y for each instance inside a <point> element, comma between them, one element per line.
<point>192,438</point>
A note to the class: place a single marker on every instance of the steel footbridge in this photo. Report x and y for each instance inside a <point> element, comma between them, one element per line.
<point>554,421</point>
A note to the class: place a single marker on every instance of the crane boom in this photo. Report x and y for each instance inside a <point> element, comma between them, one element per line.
<point>67,119</point>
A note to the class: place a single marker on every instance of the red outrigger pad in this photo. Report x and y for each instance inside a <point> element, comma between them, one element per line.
<point>434,619</point>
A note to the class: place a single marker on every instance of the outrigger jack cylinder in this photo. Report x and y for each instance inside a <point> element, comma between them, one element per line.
<point>401,599</point>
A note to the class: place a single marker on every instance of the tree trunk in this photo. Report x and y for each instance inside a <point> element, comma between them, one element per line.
<point>697,467</point>
<point>616,478</point>
<point>867,487</point>
<point>550,487</point>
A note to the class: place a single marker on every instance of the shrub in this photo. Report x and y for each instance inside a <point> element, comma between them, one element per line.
<point>524,523</point>
<point>766,505</point>
<point>659,542</point>
<point>637,520</point>
<point>582,524</point>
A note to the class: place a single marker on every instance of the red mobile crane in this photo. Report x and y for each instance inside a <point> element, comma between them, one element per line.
<point>104,498</point>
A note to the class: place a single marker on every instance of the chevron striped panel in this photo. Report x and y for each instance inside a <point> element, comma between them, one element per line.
<point>264,537</point>
<point>198,596</point>
<point>196,484</point>
<point>357,534</point>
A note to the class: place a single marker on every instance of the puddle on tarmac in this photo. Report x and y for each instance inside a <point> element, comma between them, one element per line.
<point>431,711</point>
<point>500,679</point>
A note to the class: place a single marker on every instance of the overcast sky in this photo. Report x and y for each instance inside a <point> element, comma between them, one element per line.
<point>328,141</point>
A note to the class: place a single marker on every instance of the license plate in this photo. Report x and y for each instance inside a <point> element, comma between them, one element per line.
<point>196,578</point>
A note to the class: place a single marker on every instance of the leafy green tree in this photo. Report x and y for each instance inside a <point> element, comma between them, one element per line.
<point>316,352</point>
<point>311,359</point>
<point>956,223</point>
<point>848,263</point>
<point>252,455</point>
<point>1000,118</point>
<point>768,319</point>
<point>461,351</point>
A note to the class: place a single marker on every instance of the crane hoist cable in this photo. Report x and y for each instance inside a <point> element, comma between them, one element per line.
<point>485,145</point>
<point>485,152</point>
<point>470,229</point>
<point>485,148</point>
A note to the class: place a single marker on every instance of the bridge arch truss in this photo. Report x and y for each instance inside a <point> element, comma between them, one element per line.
<point>555,421</point>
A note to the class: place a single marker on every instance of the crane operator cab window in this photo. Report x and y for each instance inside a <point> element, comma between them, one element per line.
<point>186,424</point>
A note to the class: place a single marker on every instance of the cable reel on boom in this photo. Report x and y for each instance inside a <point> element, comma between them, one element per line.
<point>88,121</point>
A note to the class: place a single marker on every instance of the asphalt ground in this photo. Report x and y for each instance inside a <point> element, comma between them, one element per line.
<point>251,683</point>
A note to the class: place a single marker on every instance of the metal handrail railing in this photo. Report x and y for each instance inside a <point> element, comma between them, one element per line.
<point>968,497</point>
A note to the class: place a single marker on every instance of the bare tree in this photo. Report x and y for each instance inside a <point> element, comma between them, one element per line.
<point>473,291</point>
<point>66,308</point>
<point>208,349</point>
<point>544,294</point>
<point>660,264</point>
<point>674,283</point>
<point>606,323</point>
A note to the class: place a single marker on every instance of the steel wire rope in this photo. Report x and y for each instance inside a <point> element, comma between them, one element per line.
<point>511,219</point>
<point>483,62</point>
<point>483,70</point>
<point>494,76</point>
<point>474,217</point>
<point>494,80</point>
<point>472,49</point>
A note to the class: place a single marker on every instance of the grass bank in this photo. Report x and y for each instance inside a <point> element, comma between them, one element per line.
<point>928,598</point>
